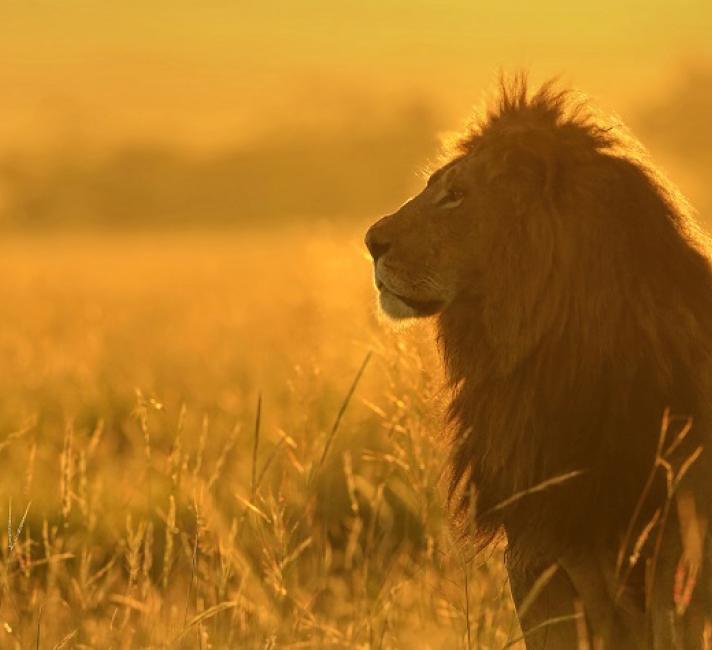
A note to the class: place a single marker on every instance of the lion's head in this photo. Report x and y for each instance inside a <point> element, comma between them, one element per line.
<point>505,197</point>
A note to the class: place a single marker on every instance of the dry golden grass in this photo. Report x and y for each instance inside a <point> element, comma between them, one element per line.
<point>159,514</point>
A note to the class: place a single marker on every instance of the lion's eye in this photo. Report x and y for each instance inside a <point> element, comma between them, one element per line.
<point>452,198</point>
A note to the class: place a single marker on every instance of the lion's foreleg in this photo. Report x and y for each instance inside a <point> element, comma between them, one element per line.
<point>616,622</point>
<point>546,609</point>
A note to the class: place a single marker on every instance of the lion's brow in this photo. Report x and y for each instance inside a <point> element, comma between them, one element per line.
<point>438,173</point>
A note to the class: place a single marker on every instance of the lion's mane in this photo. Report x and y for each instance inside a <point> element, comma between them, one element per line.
<point>592,316</point>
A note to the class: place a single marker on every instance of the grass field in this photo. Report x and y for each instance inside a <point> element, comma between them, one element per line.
<point>194,455</point>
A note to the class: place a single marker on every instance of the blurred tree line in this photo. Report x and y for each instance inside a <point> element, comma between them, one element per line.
<point>358,169</point>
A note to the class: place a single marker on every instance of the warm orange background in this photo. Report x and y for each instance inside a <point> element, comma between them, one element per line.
<point>214,72</point>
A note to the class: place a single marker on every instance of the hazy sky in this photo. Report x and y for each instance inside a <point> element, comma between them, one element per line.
<point>207,73</point>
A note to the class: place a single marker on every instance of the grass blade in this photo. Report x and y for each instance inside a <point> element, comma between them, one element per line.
<point>342,410</point>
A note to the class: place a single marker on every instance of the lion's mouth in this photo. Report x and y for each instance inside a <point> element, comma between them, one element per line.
<point>421,307</point>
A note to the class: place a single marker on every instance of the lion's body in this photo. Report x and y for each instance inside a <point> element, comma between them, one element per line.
<point>574,301</point>
<point>592,319</point>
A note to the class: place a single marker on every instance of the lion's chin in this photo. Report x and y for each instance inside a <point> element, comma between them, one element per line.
<point>400,308</point>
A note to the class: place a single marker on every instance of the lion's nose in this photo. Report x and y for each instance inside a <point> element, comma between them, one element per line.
<point>376,242</point>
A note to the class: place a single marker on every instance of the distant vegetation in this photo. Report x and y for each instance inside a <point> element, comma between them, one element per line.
<point>356,169</point>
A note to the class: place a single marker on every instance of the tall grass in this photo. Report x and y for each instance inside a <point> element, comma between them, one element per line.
<point>215,444</point>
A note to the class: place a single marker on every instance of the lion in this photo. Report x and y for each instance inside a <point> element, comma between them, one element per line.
<point>573,295</point>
